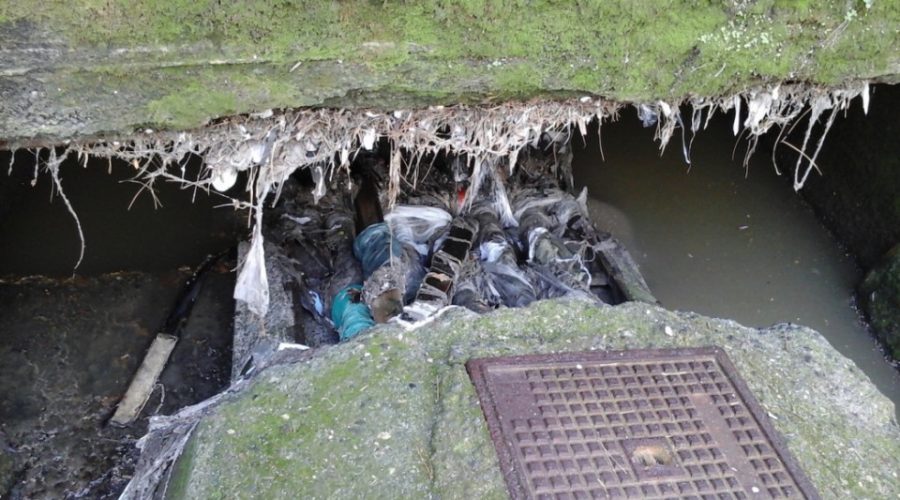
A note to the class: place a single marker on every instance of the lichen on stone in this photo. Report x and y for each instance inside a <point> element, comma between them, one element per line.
<point>880,297</point>
<point>393,414</point>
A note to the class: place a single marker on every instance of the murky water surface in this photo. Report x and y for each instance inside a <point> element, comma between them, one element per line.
<point>714,240</point>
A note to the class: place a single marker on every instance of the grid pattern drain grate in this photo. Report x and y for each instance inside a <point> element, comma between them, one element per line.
<point>668,423</point>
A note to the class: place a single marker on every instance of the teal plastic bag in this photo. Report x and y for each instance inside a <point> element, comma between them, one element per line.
<point>349,314</point>
<point>374,247</point>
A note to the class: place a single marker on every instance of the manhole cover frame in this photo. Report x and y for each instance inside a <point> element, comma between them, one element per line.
<point>477,369</point>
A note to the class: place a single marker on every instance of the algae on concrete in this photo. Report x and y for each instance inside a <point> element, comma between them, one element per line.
<point>393,414</point>
<point>115,66</point>
<point>879,294</point>
<point>7,468</point>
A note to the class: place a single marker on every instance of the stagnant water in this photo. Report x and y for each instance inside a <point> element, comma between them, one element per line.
<point>726,242</point>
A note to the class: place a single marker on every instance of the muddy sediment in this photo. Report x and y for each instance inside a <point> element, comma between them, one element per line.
<point>69,350</point>
<point>71,344</point>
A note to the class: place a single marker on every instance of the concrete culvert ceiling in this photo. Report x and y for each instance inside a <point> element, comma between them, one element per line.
<point>115,67</point>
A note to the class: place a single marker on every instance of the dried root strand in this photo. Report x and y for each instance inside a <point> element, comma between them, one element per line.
<point>52,167</point>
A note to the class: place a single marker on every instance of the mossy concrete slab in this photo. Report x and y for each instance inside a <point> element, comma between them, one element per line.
<point>95,67</point>
<point>393,414</point>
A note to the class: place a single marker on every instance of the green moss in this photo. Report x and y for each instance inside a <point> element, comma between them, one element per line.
<point>625,33</point>
<point>393,414</point>
<point>438,49</point>
<point>180,109</point>
<point>517,79</point>
<point>178,485</point>
<point>287,428</point>
<point>199,95</point>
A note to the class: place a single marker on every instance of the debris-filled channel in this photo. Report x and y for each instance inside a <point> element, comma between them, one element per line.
<point>466,234</point>
<point>323,265</point>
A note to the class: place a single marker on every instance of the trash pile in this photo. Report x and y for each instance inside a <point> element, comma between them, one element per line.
<point>465,232</point>
<point>469,233</point>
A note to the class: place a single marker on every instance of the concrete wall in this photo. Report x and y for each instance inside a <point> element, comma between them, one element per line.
<point>858,198</point>
<point>858,195</point>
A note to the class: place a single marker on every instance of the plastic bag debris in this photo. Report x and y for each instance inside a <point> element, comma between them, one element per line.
<point>375,246</point>
<point>549,254</point>
<point>647,115</point>
<point>317,302</point>
<point>544,219</point>
<point>345,266</point>
<point>487,186</point>
<point>349,314</point>
<point>284,346</point>
<point>392,270</point>
<point>471,285</point>
<point>418,225</point>
<point>252,284</point>
<point>505,281</point>
<point>224,178</point>
<point>516,236</point>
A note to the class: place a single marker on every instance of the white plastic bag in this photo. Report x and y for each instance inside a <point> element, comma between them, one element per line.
<point>252,284</point>
<point>416,225</point>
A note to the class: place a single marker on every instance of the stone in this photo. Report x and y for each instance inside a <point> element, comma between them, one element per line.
<point>879,296</point>
<point>7,467</point>
<point>411,385</point>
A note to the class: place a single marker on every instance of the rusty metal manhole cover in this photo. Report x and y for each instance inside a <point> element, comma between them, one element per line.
<point>668,423</point>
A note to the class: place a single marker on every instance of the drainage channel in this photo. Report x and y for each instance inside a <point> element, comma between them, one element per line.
<point>527,234</point>
<point>713,238</point>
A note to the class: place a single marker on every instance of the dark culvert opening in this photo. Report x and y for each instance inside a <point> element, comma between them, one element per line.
<point>709,237</point>
<point>125,228</point>
<point>71,343</point>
